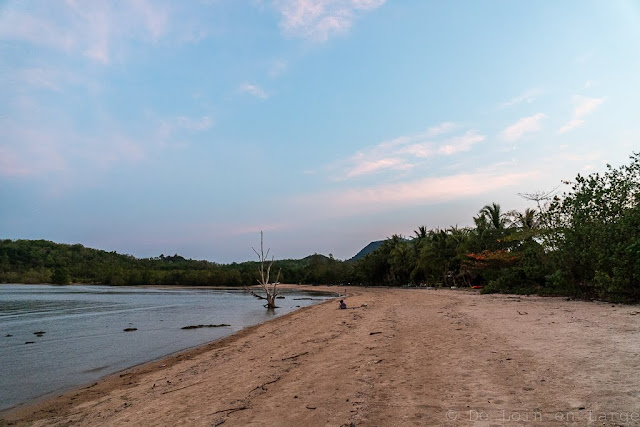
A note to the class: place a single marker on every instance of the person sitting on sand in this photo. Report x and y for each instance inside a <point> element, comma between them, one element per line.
<point>343,305</point>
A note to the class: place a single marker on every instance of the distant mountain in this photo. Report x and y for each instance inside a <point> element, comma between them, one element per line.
<point>367,249</point>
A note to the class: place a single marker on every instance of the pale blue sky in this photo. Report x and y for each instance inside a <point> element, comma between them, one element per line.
<point>151,127</point>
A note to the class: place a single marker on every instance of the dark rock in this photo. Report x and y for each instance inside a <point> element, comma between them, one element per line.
<point>205,326</point>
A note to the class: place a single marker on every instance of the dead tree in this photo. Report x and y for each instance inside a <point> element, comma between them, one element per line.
<point>270,289</point>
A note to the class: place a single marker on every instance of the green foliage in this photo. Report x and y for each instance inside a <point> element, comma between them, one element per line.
<point>595,235</point>
<point>40,261</point>
<point>60,276</point>
<point>585,243</point>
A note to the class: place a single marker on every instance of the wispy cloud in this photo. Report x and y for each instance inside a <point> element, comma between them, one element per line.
<point>583,106</point>
<point>527,96</point>
<point>570,125</point>
<point>320,19</point>
<point>363,166</point>
<point>52,149</point>
<point>406,152</point>
<point>254,90</point>
<point>169,128</point>
<point>523,126</point>
<point>94,29</point>
<point>409,193</point>
<point>194,125</point>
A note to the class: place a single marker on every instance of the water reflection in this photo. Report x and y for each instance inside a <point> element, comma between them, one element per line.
<point>84,335</point>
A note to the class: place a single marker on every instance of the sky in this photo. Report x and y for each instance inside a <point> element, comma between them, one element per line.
<point>153,127</point>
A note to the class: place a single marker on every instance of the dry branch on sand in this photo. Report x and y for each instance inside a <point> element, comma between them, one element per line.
<point>270,289</point>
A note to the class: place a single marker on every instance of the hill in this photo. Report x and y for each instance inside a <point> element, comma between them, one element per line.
<point>367,250</point>
<point>41,261</point>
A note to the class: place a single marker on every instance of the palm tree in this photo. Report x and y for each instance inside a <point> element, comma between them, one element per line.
<point>493,217</point>
<point>421,232</point>
<point>527,220</point>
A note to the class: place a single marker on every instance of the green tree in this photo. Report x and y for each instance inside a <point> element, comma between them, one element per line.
<point>595,236</point>
<point>492,216</point>
<point>60,276</point>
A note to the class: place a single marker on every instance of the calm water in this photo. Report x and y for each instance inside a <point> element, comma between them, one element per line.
<point>84,326</point>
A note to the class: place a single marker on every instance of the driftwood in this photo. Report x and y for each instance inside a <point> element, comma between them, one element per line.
<point>296,356</point>
<point>270,289</point>
<point>268,382</point>
<point>181,388</point>
<point>230,410</point>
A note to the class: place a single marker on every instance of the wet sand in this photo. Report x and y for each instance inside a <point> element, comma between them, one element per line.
<point>402,357</point>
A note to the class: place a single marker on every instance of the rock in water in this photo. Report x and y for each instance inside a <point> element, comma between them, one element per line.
<point>204,326</point>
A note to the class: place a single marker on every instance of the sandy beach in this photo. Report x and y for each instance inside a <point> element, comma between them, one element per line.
<point>395,357</point>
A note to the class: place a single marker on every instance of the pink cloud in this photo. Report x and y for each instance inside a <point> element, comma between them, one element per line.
<point>367,167</point>
<point>94,29</point>
<point>421,191</point>
<point>522,127</point>
<point>583,106</point>
<point>320,19</point>
<point>405,152</point>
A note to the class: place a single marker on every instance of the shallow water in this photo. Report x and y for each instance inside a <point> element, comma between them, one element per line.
<point>84,337</point>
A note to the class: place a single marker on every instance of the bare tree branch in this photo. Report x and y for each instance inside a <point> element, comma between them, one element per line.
<point>265,276</point>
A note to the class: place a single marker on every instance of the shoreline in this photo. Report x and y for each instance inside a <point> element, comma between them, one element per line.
<point>406,357</point>
<point>111,380</point>
<point>71,381</point>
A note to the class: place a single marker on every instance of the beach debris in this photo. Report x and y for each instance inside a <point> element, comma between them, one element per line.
<point>263,385</point>
<point>634,313</point>
<point>205,326</point>
<point>181,388</point>
<point>130,329</point>
<point>310,407</point>
<point>231,410</point>
<point>523,313</point>
<point>296,356</point>
<point>39,333</point>
<point>374,333</point>
<point>280,297</point>
<point>30,342</point>
<point>8,335</point>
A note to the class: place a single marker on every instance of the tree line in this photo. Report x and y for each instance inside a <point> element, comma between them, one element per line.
<point>41,261</point>
<point>583,242</point>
